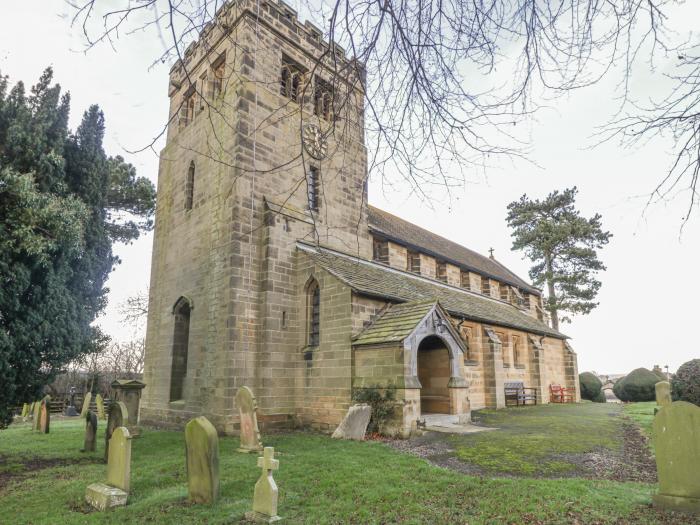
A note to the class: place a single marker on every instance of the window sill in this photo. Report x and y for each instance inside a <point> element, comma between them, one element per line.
<point>179,404</point>
<point>471,362</point>
<point>506,365</point>
<point>520,367</point>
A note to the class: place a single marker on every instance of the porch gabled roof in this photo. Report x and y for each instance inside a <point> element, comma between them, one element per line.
<point>395,324</point>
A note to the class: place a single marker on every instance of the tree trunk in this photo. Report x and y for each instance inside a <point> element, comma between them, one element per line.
<point>551,299</point>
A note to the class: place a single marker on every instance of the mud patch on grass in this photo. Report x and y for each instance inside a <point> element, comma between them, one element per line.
<point>13,468</point>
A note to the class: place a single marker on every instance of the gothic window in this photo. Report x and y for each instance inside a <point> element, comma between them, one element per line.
<point>505,350</point>
<point>189,187</point>
<point>485,285</point>
<point>413,261</point>
<point>314,313</point>
<point>181,334</point>
<point>291,79</point>
<point>323,99</point>
<point>464,277</point>
<point>187,110</point>
<point>470,354</point>
<point>517,358</point>
<point>441,271</point>
<point>380,250</point>
<point>312,187</point>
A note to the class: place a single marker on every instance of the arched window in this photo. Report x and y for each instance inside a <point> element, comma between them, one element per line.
<point>189,187</point>
<point>181,336</point>
<point>314,313</point>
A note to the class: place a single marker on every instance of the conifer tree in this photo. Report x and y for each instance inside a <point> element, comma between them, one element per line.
<point>563,247</point>
<point>63,203</point>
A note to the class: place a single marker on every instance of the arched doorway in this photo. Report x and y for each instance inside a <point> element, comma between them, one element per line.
<point>434,372</point>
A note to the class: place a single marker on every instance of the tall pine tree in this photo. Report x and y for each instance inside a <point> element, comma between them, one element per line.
<point>63,203</point>
<point>563,247</point>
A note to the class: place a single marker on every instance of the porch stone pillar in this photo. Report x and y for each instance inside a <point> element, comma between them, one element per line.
<point>537,367</point>
<point>494,396</point>
<point>571,370</point>
<point>458,388</point>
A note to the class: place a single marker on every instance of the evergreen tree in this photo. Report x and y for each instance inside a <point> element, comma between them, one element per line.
<point>563,245</point>
<point>63,203</point>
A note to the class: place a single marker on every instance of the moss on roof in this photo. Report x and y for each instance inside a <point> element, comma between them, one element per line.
<point>396,324</point>
<point>377,280</point>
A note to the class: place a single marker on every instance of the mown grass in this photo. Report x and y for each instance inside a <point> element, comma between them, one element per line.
<point>642,414</point>
<point>536,440</point>
<point>321,481</point>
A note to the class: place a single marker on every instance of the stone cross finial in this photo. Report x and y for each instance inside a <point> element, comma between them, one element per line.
<point>491,252</point>
<point>266,492</point>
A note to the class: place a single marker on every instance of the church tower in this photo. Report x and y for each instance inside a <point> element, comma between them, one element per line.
<point>265,146</point>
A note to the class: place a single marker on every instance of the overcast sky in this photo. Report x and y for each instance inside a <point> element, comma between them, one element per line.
<point>648,301</point>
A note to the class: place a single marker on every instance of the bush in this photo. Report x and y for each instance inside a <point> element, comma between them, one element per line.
<point>638,385</point>
<point>600,398</point>
<point>590,386</point>
<point>381,400</point>
<point>686,383</point>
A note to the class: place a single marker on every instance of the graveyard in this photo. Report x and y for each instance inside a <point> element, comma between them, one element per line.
<point>524,477</point>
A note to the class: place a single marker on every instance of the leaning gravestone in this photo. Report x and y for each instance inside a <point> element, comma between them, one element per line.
<point>248,412</point>
<point>118,416</point>
<point>677,447</point>
<point>86,404</point>
<point>354,424</point>
<point>90,432</point>
<point>104,496</point>
<point>100,404</point>
<point>45,415</point>
<point>663,393</point>
<point>202,446</point>
<point>266,491</point>
<point>36,414</point>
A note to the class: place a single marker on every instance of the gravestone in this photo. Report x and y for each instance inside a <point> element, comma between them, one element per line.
<point>45,415</point>
<point>104,496</point>
<point>118,415</point>
<point>100,404</point>
<point>90,432</point>
<point>128,391</point>
<point>663,393</point>
<point>266,492</point>
<point>354,424</point>
<point>677,448</point>
<point>25,410</point>
<point>202,447</point>
<point>248,412</point>
<point>35,415</point>
<point>86,404</point>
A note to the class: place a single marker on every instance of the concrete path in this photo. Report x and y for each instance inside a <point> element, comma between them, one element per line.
<point>450,424</point>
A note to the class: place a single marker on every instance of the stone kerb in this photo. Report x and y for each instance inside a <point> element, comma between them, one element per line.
<point>677,448</point>
<point>354,424</point>
<point>248,412</point>
<point>202,447</point>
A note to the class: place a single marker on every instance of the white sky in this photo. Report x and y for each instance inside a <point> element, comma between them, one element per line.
<point>648,301</point>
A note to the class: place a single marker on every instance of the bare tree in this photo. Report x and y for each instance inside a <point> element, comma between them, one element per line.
<point>446,82</point>
<point>134,310</point>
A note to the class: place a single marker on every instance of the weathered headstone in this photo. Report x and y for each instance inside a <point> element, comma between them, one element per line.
<point>202,446</point>
<point>354,424</point>
<point>45,415</point>
<point>86,404</point>
<point>248,412</point>
<point>266,492</point>
<point>128,391</point>
<point>677,448</point>
<point>663,393</point>
<point>104,496</point>
<point>25,410</point>
<point>118,416</point>
<point>100,404</point>
<point>35,415</point>
<point>90,432</point>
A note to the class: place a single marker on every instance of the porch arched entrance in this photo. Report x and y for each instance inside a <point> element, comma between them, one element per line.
<point>434,372</point>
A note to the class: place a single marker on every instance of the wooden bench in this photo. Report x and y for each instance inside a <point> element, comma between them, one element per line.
<point>559,394</point>
<point>518,394</point>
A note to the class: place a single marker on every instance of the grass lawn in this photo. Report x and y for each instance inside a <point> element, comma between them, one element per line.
<point>642,414</point>
<point>43,479</point>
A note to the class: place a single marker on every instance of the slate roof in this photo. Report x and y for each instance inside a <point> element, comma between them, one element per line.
<point>396,324</point>
<point>415,237</point>
<point>378,280</point>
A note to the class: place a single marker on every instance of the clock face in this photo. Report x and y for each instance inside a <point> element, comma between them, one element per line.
<point>314,141</point>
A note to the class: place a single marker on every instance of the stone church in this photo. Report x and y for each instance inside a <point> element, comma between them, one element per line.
<point>271,270</point>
